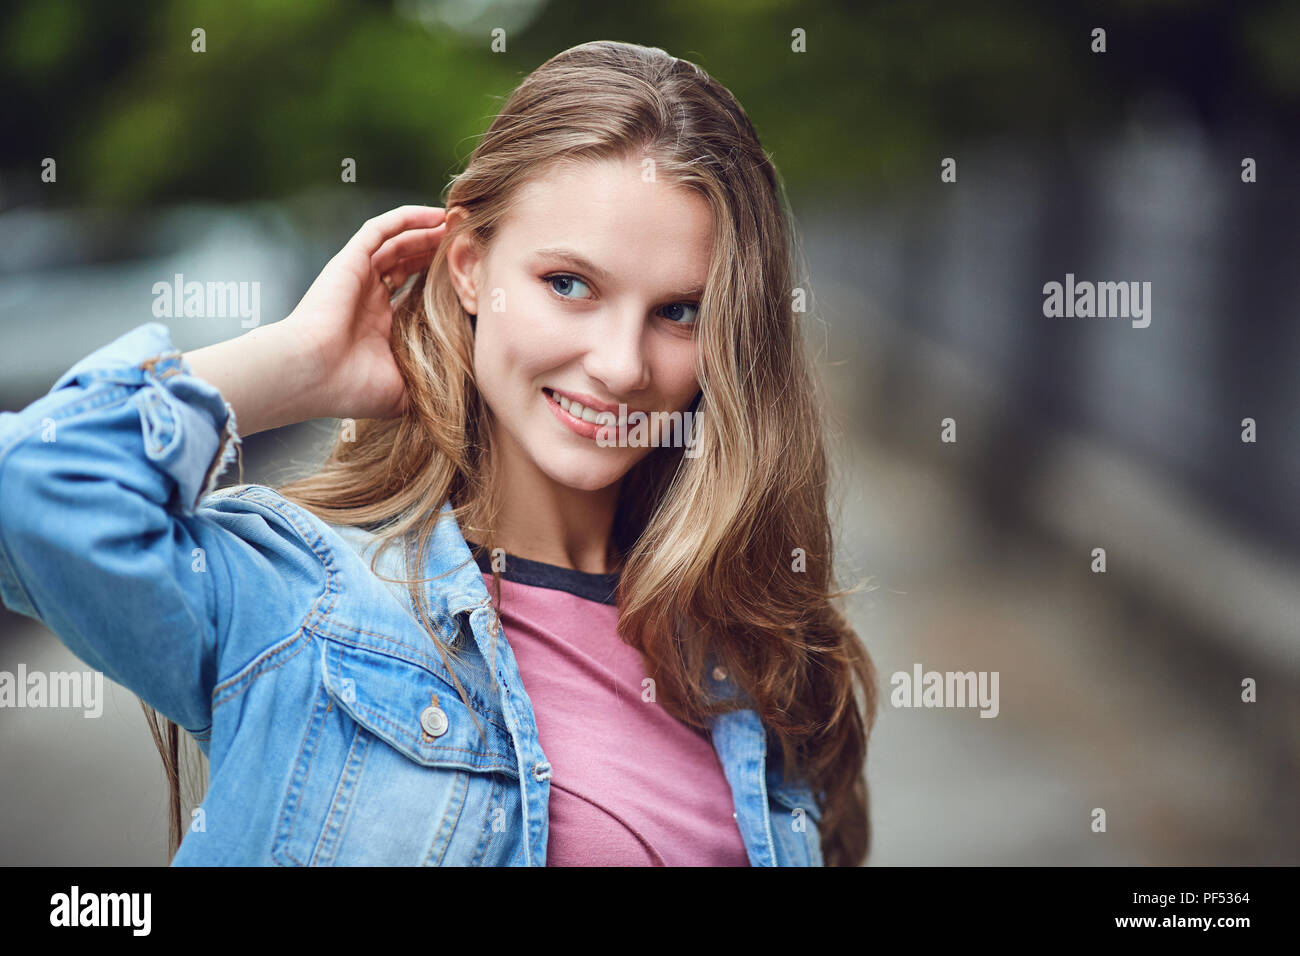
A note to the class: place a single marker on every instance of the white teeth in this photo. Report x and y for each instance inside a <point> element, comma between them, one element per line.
<point>576,409</point>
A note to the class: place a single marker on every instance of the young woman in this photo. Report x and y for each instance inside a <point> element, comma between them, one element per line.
<point>638,663</point>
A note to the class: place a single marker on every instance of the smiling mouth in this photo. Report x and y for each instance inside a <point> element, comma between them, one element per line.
<point>588,415</point>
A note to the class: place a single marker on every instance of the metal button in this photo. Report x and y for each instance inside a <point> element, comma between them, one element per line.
<point>719,673</point>
<point>434,721</point>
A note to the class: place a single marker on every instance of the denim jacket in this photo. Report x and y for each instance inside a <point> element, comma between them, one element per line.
<point>334,733</point>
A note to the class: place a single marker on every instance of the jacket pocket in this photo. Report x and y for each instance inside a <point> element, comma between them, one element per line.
<point>394,769</point>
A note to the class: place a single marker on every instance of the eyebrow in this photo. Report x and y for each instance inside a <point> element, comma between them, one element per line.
<point>560,254</point>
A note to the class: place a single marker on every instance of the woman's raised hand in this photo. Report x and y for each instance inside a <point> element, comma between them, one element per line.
<point>331,357</point>
<point>346,315</point>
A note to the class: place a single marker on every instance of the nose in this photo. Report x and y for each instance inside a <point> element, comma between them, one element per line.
<point>616,355</point>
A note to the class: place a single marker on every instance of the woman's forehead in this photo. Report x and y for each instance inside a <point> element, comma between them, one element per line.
<point>609,220</point>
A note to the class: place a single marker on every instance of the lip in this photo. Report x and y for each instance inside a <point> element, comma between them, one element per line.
<point>574,424</point>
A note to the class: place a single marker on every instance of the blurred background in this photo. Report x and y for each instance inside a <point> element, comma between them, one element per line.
<point>1120,690</point>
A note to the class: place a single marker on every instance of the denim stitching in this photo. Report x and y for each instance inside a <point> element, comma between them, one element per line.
<point>341,805</point>
<point>256,669</point>
<point>84,404</point>
<point>398,730</point>
<point>481,709</point>
<point>495,796</point>
<point>321,607</point>
<point>450,831</point>
<point>293,799</point>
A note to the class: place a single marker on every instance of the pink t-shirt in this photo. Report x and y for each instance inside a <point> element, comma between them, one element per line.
<point>631,785</point>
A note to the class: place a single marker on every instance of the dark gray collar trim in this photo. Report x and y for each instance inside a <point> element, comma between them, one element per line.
<point>593,587</point>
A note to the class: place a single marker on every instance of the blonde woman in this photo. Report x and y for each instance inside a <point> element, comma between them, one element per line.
<point>562,591</point>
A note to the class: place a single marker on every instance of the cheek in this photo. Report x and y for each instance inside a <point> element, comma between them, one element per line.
<point>679,383</point>
<point>514,347</point>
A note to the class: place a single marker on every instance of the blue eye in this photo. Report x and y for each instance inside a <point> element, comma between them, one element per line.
<point>568,283</point>
<point>694,311</point>
<point>564,284</point>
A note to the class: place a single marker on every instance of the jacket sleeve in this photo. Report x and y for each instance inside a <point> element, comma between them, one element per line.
<point>104,541</point>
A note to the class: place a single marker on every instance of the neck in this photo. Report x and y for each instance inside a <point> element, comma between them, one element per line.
<point>543,520</point>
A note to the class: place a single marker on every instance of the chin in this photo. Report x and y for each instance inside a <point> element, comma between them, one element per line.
<point>582,475</point>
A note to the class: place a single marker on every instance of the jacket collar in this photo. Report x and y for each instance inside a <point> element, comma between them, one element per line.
<point>454,583</point>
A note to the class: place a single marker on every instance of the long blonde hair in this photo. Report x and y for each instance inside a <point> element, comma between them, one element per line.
<point>728,554</point>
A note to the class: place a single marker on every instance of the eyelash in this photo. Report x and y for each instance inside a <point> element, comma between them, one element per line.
<point>548,279</point>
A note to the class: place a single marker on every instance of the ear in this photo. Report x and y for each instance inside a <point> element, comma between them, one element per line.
<point>464,261</point>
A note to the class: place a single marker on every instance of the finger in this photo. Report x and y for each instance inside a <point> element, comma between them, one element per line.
<point>413,242</point>
<point>403,269</point>
<point>375,232</point>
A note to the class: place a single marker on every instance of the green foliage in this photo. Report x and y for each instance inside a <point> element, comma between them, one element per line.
<point>286,90</point>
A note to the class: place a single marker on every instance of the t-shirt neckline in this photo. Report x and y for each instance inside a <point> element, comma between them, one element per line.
<point>593,587</point>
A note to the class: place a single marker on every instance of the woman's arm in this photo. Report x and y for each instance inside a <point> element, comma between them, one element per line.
<point>331,357</point>
<point>101,535</point>
<point>102,540</point>
<point>271,377</point>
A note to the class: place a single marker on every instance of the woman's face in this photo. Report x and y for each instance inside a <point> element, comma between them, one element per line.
<point>591,287</point>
